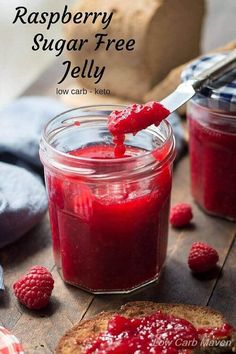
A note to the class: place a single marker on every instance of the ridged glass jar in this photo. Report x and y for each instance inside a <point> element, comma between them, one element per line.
<point>109,216</point>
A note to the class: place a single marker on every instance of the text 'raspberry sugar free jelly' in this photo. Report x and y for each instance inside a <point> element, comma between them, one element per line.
<point>212,130</point>
<point>109,216</point>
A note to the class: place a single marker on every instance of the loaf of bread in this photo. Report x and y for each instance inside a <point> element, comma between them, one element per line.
<point>167,34</point>
<point>74,340</point>
<point>157,93</point>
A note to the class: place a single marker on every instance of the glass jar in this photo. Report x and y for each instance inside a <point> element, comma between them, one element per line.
<point>213,156</point>
<point>109,216</point>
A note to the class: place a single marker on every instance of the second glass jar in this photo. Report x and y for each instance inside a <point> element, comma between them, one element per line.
<point>213,158</point>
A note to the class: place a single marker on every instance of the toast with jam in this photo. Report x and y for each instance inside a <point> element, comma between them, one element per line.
<point>147,327</point>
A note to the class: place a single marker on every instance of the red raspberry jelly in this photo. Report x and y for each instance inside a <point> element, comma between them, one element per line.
<point>136,117</point>
<point>109,216</point>
<point>213,160</point>
<point>132,119</point>
<point>111,236</point>
<point>157,333</point>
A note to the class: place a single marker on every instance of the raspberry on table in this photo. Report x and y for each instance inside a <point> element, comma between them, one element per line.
<point>34,289</point>
<point>181,214</point>
<point>202,257</point>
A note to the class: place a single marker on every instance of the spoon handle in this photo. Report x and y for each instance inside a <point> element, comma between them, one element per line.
<point>188,89</point>
<point>2,287</point>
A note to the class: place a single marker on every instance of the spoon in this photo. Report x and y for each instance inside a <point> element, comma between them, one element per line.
<point>188,89</point>
<point>2,287</point>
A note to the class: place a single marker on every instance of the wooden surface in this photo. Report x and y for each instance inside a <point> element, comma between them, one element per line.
<point>40,331</point>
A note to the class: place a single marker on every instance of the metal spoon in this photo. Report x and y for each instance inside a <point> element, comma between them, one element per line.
<point>188,89</point>
<point>2,287</point>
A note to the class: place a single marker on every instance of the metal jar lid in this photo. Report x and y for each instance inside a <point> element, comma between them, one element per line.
<point>220,96</point>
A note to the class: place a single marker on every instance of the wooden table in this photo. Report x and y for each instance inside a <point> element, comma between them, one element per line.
<point>40,331</point>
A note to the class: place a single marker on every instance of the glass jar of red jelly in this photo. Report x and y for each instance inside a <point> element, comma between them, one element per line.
<point>109,216</point>
<point>212,127</point>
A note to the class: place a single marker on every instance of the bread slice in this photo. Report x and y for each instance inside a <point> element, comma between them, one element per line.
<point>73,341</point>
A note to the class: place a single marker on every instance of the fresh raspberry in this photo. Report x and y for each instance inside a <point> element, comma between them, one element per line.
<point>202,257</point>
<point>181,214</point>
<point>34,288</point>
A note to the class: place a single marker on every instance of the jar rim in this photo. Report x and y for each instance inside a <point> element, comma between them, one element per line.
<point>218,113</point>
<point>46,146</point>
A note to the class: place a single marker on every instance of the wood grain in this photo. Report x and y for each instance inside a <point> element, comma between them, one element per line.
<point>40,331</point>
<point>224,295</point>
<point>177,283</point>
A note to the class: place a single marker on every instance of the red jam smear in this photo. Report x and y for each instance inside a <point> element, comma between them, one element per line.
<point>226,330</point>
<point>132,119</point>
<point>136,117</point>
<point>119,149</point>
<point>157,333</point>
<point>109,236</point>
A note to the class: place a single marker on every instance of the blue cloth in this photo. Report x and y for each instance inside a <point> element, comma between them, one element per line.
<point>23,199</point>
<point>177,127</point>
<point>23,202</point>
<point>21,125</point>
